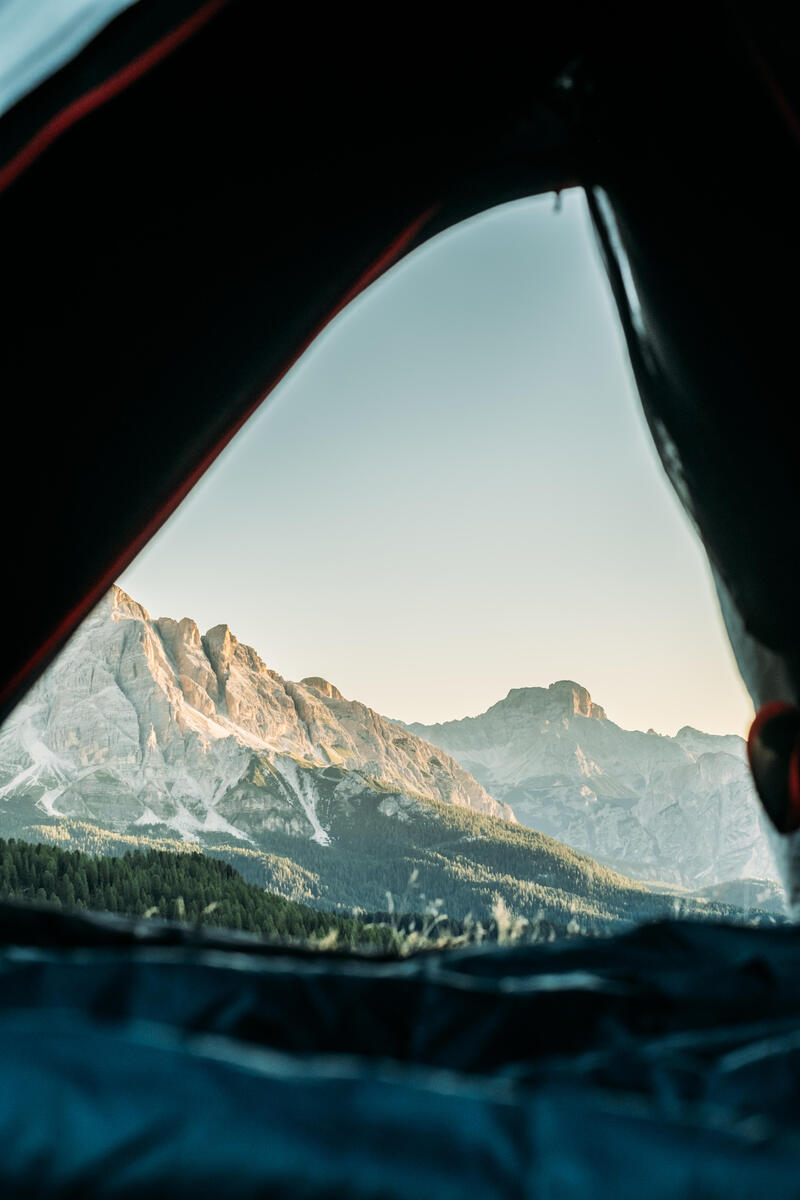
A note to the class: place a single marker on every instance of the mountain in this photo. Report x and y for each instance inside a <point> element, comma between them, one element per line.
<point>144,724</point>
<point>144,735</point>
<point>678,810</point>
<point>762,895</point>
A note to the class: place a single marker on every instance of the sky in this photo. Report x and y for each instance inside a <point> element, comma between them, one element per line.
<point>454,493</point>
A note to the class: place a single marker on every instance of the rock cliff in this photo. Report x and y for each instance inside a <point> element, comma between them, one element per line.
<point>147,723</point>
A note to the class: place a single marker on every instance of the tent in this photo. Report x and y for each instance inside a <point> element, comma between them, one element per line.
<point>189,192</point>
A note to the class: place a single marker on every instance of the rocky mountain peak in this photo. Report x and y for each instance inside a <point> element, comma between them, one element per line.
<point>143,723</point>
<point>678,810</point>
<point>576,699</point>
<point>219,645</point>
<point>323,686</point>
<point>568,697</point>
<point>121,607</point>
<point>179,633</point>
<point>697,743</point>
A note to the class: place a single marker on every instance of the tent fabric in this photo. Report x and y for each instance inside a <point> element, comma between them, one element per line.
<point>166,257</point>
<point>36,41</point>
<point>169,255</point>
<point>210,218</point>
<point>139,1058</point>
<point>703,196</point>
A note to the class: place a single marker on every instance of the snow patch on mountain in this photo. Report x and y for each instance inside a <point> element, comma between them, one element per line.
<point>305,793</point>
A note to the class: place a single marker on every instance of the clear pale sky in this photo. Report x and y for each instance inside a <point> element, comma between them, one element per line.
<point>454,493</point>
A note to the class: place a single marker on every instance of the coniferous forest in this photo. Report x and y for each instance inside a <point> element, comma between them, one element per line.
<point>156,883</point>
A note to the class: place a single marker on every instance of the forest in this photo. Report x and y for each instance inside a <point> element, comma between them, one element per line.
<point>177,886</point>
<point>442,863</point>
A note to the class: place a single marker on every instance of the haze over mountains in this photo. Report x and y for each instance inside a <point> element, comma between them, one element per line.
<point>678,810</point>
<point>145,730</point>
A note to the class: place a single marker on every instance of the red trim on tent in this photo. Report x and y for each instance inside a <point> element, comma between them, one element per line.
<point>775,708</point>
<point>793,812</point>
<point>396,248</point>
<point>103,92</point>
<point>767,713</point>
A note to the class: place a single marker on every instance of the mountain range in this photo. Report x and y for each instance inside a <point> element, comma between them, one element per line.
<point>679,810</point>
<point>146,724</point>
<point>145,733</point>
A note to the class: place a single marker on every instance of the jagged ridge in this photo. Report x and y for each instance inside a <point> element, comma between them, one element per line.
<point>144,723</point>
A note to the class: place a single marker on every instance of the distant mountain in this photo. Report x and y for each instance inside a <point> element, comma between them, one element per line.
<point>678,810</point>
<point>146,725</point>
<point>762,895</point>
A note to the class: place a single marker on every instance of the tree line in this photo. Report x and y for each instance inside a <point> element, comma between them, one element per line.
<point>183,886</point>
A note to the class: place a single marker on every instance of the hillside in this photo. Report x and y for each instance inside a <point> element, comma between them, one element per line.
<point>180,886</point>
<point>438,859</point>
